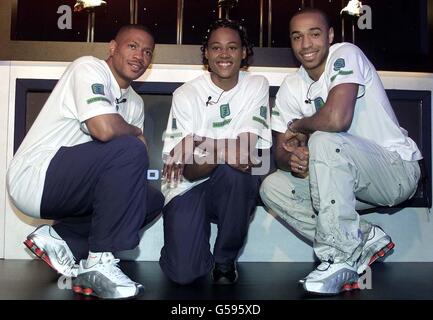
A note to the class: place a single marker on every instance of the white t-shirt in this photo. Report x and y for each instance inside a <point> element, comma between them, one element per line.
<point>373,118</point>
<point>201,108</point>
<point>86,89</point>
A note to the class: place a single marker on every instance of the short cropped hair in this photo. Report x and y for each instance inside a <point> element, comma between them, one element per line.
<point>129,27</point>
<point>314,10</point>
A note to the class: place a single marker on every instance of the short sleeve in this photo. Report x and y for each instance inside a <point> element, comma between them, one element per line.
<point>286,107</point>
<point>90,86</point>
<point>180,121</point>
<point>138,117</point>
<point>347,64</point>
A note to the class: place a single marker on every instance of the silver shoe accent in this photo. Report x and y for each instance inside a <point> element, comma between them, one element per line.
<point>105,280</point>
<point>331,279</point>
<point>47,245</point>
<point>377,246</point>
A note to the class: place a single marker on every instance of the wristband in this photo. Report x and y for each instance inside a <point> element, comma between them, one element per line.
<point>289,125</point>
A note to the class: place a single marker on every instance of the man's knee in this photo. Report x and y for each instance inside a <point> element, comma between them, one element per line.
<point>276,189</point>
<point>266,188</point>
<point>228,172</point>
<point>280,187</point>
<point>324,145</point>
<point>132,147</point>
<point>320,139</point>
<point>232,177</point>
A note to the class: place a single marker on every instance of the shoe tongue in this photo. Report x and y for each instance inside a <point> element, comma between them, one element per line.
<point>107,257</point>
<point>98,257</point>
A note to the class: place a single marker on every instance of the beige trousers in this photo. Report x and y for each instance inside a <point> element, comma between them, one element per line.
<point>346,174</point>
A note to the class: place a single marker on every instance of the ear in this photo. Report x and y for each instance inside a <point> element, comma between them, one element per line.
<point>206,54</point>
<point>244,52</point>
<point>112,47</point>
<point>331,35</point>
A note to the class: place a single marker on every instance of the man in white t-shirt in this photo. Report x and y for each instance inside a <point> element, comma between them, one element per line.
<point>339,149</point>
<point>217,123</point>
<point>84,164</point>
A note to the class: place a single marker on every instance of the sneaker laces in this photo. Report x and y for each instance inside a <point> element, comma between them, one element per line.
<point>112,266</point>
<point>316,272</point>
<point>319,269</point>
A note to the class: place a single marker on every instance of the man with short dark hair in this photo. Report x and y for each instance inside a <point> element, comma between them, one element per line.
<point>84,164</point>
<point>339,149</point>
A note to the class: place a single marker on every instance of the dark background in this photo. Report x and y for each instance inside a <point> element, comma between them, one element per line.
<point>401,38</point>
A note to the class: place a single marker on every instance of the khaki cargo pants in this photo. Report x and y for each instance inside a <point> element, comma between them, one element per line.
<point>346,174</point>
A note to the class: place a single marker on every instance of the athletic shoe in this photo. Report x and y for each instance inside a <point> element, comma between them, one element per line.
<point>47,245</point>
<point>331,278</point>
<point>225,273</point>
<point>378,245</point>
<point>105,280</point>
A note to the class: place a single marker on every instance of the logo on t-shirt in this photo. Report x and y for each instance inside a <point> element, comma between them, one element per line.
<point>339,64</point>
<point>318,103</point>
<point>224,110</point>
<point>264,112</point>
<point>98,88</point>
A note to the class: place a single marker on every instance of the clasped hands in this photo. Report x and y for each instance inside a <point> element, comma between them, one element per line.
<point>229,153</point>
<point>296,144</point>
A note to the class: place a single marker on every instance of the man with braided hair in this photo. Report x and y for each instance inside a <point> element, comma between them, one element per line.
<point>218,120</point>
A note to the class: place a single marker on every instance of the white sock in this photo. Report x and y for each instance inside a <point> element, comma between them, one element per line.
<point>93,258</point>
<point>98,257</point>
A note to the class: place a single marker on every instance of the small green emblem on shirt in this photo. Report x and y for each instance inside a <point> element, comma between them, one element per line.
<point>224,110</point>
<point>98,88</point>
<point>264,112</point>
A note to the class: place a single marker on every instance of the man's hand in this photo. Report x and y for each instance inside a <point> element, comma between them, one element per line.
<point>174,164</point>
<point>240,160</point>
<point>242,155</point>
<point>173,173</point>
<point>296,145</point>
<point>292,138</point>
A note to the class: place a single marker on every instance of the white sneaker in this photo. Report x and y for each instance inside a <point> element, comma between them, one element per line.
<point>331,278</point>
<point>378,245</point>
<point>105,280</point>
<point>46,244</point>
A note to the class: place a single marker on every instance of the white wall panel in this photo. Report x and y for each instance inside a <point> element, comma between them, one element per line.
<point>268,239</point>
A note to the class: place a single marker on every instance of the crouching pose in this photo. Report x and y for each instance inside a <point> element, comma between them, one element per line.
<point>216,124</point>
<point>84,164</point>
<point>339,149</point>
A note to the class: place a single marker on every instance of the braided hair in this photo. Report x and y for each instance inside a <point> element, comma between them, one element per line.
<point>234,25</point>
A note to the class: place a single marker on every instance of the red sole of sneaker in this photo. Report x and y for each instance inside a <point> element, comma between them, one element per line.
<point>38,252</point>
<point>381,253</point>
<point>85,291</point>
<point>350,287</point>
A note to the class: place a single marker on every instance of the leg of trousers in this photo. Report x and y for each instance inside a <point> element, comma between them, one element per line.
<point>76,230</point>
<point>100,192</point>
<point>346,172</point>
<point>228,198</point>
